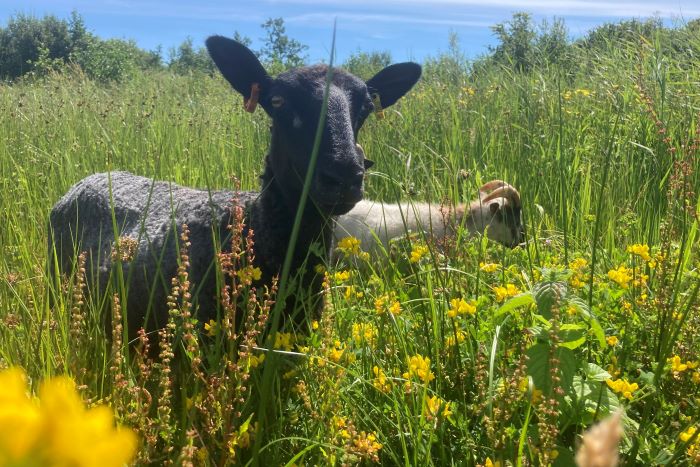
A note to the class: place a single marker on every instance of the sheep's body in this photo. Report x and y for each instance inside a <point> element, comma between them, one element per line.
<point>375,223</point>
<point>153,213</point>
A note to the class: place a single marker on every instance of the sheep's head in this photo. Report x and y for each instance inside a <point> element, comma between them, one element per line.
<point>294,101</point>
<point>499,209</point>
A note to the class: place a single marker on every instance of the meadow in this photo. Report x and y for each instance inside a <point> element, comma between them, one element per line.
<point>443,352</point>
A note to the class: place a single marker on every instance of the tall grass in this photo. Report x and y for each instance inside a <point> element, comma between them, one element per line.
<point>604,160</point>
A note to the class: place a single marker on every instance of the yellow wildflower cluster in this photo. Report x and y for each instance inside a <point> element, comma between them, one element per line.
<point>621,276</point>
<point>432,406</point>
<point>489,463</point>
<point>254,361</point>
<point>351,292</point>
<point>469,90</point>
<point>450,340</point>
<point>335,354</point>
<point>640,250</point>
<point>387,302</point>
<point>381,382</point>
<point>679,367</point>
<point>419,366</point>
<point>458,306</point>
<point>284,341</point>
<point>366,446</point>
<point>578,92</point>
<point>577,266</point>
<point>363,333</point>
<point>418,252</point>
<point>623,387</point>
<point>508,291</point>
<point>249,274</point>
<point>488,267</point>
<point>341,276</point>
<point>693,449</point>
<point>350,246</point>
<point>58,430</point>
<point>212,328</point>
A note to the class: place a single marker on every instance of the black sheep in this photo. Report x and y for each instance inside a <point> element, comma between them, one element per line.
<point>153,212</point>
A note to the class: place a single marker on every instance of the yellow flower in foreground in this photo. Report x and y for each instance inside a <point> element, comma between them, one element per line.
<point>488,267</point>
<point>623,387</point>
<point>58,430</point>
<point>622,276</point>
<point>212,328</point>
<point>489,463</point>
<point>365,445</point>
<point>460,307</point>
<point>640,250</point>
<point>612,340</point>
<point>341,276</point>
<point>419,366</point>
<point>508,291</point>
<point>418,252</point>
<point>284,341</point>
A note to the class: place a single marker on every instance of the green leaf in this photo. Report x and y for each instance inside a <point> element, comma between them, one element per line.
<point>596,373</point>
<point>539,368</point>
<point>516,302</point>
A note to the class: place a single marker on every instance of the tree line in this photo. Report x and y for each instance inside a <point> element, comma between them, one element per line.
<point>35,46</point>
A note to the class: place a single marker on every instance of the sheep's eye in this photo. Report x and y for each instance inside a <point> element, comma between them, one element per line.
<point>277,101</point>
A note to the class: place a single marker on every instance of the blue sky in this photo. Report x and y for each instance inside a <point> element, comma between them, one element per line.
<point>409,29</point>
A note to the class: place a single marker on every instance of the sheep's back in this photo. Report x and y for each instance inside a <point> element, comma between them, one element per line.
<point>151,214</point>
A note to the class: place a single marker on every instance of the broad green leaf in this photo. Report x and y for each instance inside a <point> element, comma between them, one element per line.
<point>518,301</point>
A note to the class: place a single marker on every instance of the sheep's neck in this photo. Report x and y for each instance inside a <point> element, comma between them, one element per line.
<point>272,219</point>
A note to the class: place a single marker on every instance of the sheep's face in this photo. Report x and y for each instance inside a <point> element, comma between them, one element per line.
<point>294,100</point>
<point>505,224</point>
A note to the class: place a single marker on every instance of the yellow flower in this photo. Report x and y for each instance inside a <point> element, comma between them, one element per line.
<point>623,387</point>
<point>612,340</point>
<point>255,361</point>
<point>419,366</point>
<point>640,250</point>
<point>676,365</point>
<point>450,340</point>
<point>363,333</point>
<point>502,293</point>
<point>469,90</point>
<point>349,245</point>
<point>696,377</point>
<point>381,382</point>
<point>284,340</point>
<point>336,353</point>
<point>58,430</point>
<point>314,325</point>
<point>366,446</point>
<point>387,302</point>
<point>622,276</point>
<point>460,307</point>
<point>418,252</point>
<point>687,434</point>
<point>212,328</point>
<point>341,276</point>
<point>488,267</point>
<point>320,269</point>
<point>583,92</point>
<point>489,463</point>
<point>351,292</point>
<point>249,274</point>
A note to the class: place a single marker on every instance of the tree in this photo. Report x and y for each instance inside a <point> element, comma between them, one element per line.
<point>27,40</point>
<point>186,59</point>
<point>280,51</point>
<point>367,64</point>
<point>516,37</point>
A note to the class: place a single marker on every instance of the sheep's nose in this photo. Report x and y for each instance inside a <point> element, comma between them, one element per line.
<point>347,184</point>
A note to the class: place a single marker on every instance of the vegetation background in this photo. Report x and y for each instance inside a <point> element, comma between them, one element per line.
<point>457,353</point>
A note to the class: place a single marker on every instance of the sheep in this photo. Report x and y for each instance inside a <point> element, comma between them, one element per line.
<point>153,212</point>
<point>375,223</point>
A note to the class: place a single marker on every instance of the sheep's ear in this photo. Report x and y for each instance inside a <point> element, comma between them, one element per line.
<point>239,65</point>
<point>393,82</point>
<point>494,207</point>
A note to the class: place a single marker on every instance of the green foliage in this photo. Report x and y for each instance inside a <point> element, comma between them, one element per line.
<point>367,64</point>
<point>186,59</point>
<point>604,159</point>
<point>27,41</point>
<point>279,51</point>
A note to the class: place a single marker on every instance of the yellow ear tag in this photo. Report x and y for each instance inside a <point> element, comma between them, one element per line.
<point>378,110</point>
<point>252,102</point>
